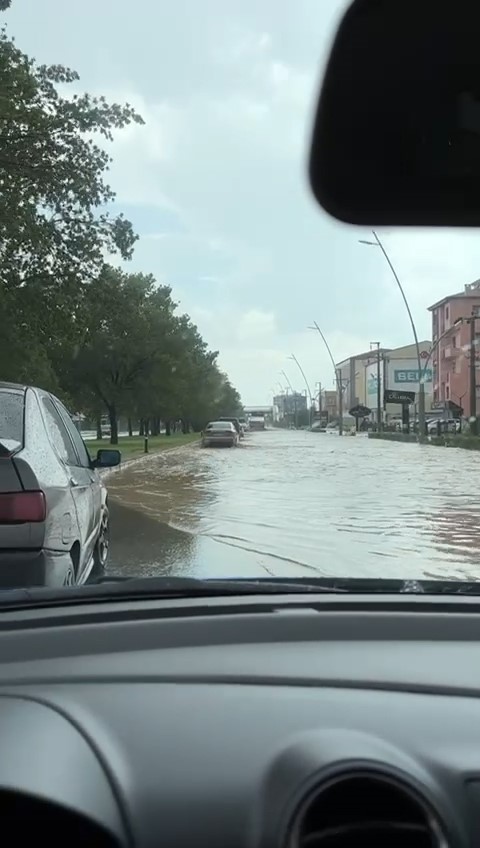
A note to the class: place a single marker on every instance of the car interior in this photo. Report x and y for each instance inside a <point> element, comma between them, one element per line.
<point>178,714</point>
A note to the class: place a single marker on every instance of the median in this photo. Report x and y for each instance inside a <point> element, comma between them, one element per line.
<point>394,437</point>
<point>133,447</point>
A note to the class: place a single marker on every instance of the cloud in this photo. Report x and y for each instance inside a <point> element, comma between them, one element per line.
<point>256,326</point>
<point>216,183</point>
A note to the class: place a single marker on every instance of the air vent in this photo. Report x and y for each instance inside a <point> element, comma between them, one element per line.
<point>365,809</point>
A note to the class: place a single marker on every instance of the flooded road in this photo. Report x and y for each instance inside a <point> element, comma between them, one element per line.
<point>295,503</point>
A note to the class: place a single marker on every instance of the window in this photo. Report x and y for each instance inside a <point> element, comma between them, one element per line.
<point>454,366</point>
<point>447,392</point>
<point>11,416</point>
<point>454,341</point>
<point>476,311</point>
<point>447,313</point>
<point>75,436</point>
<point>58,434</point>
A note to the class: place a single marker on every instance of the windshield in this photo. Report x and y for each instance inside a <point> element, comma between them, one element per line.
<point>11,418</point>
<point>165,272</point>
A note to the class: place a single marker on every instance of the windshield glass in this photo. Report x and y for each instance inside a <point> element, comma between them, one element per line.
<point>165,272</point>
<point>11,418</point>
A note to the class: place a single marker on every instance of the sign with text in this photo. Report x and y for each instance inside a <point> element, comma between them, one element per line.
<point>403,375</point>
<point>394,396</point>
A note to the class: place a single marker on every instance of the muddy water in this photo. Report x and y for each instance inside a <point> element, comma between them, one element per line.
<point>299,503</point>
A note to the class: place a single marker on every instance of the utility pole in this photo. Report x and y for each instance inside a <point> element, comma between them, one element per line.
<point>379,386</point>
<point>338,375</point>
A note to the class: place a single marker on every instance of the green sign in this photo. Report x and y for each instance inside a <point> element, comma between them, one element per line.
<point>372,384</point>
<point>411,376</point>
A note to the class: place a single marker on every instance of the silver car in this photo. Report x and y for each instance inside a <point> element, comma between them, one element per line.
<point>54,523</point>
<point>219,433</point>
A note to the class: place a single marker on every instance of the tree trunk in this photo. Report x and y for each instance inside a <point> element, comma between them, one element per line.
<point>185,427</point>
<point>156,427</point>
<point>141,429</point>
<point>112,414</point>
<point>99,427</point>
<point>130,428</point>
<point>168,428</point>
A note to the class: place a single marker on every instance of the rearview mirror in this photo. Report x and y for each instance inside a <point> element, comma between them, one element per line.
<point>107,459</point>
<point>396,137</point>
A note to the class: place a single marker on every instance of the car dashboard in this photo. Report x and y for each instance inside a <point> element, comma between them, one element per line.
<point>319,722</point>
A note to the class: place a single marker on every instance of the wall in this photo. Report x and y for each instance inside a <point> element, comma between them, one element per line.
<point>451,361</point>
<point>399,370</point>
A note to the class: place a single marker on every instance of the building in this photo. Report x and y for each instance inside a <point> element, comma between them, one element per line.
<point>329,403</point>
<point>290,404</point>
<point>398,370</point>
<point>451,341</point>
<point>352,373</point>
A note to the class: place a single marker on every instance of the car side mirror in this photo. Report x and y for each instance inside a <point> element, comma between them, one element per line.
<point>396,138</point>
<point>107,459</point>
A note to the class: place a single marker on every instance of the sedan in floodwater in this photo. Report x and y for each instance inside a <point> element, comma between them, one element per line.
<point>220,433</point>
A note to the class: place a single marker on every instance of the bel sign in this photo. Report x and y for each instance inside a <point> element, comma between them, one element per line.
<point>407,376</point>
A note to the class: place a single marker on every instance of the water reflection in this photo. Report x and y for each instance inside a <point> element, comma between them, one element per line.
<point>290,503</point>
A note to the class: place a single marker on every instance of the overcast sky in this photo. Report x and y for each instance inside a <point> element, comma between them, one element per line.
<point>215,182</point>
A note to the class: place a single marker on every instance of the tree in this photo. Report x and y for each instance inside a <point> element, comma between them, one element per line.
<point>124,344</point>
<point>52,175</point>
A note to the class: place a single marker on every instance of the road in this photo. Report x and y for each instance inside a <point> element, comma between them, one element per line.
<point>291,503</point>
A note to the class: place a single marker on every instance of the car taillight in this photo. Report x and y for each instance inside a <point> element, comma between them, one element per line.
<point>22,507</point>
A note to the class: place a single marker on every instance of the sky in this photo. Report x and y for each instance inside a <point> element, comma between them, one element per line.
<point>215,181</point>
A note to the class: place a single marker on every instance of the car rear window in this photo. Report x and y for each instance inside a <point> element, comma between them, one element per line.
<point>219,425</point>
<point>11,419</point>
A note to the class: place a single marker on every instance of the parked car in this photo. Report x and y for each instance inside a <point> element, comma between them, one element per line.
<point>219,433</point>
<point>236,424</point>
<point>244,423</point>
<point>54,521</point>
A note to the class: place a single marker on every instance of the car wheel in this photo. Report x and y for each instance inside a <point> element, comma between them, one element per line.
<point>102,547</point>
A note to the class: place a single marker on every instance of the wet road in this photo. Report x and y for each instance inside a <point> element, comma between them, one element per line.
<point>290,503</point>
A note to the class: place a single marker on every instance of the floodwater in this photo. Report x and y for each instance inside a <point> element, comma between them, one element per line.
<point>295,503</point>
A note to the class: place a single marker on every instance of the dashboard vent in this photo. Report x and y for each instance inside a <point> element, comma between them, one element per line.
<point>365,809</point>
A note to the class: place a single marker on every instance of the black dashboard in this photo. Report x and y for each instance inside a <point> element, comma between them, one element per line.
<point>319,722</point>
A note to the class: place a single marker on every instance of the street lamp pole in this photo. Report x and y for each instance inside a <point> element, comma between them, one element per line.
<point>421,383</point>
<point>309,394</point>
<point>338,378</point>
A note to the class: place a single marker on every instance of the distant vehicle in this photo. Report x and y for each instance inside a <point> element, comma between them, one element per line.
<point>257,422</point>
<point>447,425</point>
<point>220,433</point>
<point>54,522</point>
<point>236,424</point>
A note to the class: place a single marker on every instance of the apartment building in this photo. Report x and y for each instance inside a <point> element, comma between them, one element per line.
<point>451,341</point>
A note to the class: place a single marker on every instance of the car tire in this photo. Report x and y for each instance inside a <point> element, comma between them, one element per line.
<point>102,546</point>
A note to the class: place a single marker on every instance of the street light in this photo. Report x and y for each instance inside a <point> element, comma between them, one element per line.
<point>302,372</point>
<point>338,378</point>
<point>421,383</point>
<point>288,381</point>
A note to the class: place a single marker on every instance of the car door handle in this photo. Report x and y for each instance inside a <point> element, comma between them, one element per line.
<point>74,482</point>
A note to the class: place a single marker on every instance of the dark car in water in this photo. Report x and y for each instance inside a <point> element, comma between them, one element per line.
<point>54,521</point>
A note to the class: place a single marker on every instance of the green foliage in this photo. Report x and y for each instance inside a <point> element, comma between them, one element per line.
<point>105,340</point>
<point>52,174</point>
